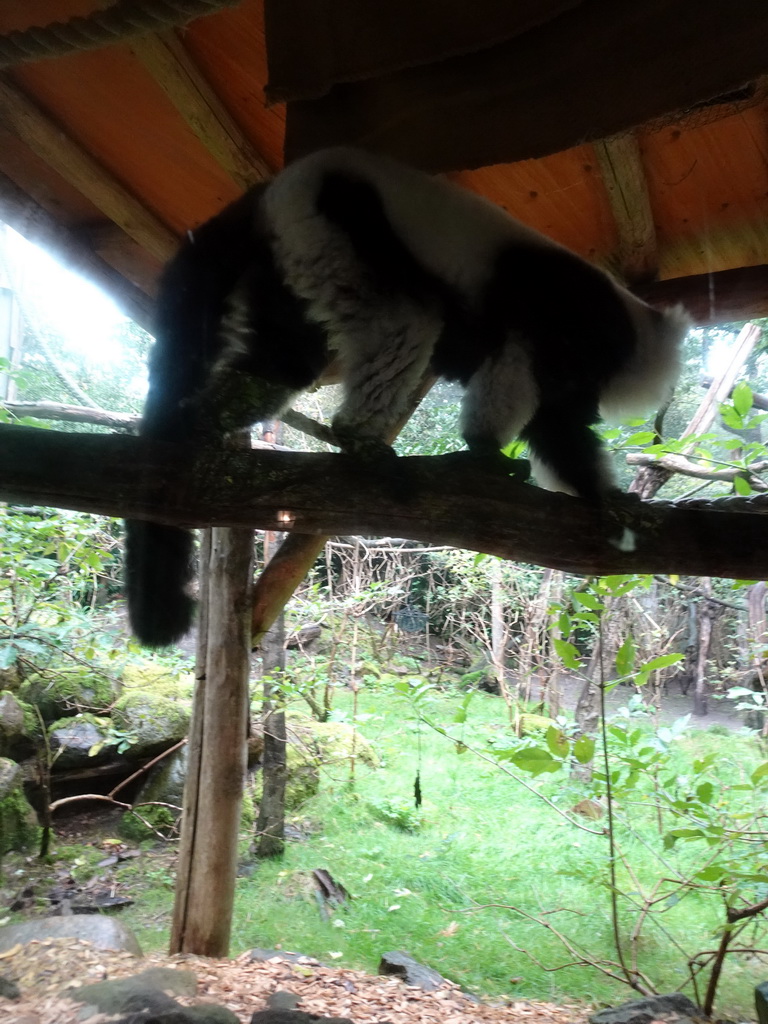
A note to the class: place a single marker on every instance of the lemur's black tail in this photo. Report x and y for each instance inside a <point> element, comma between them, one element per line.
<point>158,575</point>
<point>191,301</point>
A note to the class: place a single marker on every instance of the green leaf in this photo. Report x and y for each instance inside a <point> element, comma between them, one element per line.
<point>742,486</point>
<point>557,742</point>
<point>742,398</point>
<point>625,657</point>
<point>663,661</point>
<point>567,653</point>
<point>759,773</point>
<point>588,600</point>
<point>584,749</point>
<point>731,417</point>
<point>9,655</point>
<point>535,761</point>
<point>642,437</point>
<point>705,792</point>
<point>711,873</point>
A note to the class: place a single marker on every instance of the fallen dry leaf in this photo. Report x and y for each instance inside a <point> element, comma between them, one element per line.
<point>43,969</point>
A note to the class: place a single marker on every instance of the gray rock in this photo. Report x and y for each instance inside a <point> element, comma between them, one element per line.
<point>761,1002</point>
<point>166,781</point>
<point>19,829</point>
<point>14,740</point>
<point>113,996</point>
<point>154,720</point>
<point>144,994</point>
<point>654,1008</point>
<point>72,740</point>
<point>410,970</point>
<point>9,989</point>
<point>174,1013</point>
<point>103,932</point>
<point>282,1000</point>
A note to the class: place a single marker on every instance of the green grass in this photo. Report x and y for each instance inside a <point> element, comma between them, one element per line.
<point>483,839</point>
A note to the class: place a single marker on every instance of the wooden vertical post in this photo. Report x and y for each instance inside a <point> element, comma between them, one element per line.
<point>205,885</point>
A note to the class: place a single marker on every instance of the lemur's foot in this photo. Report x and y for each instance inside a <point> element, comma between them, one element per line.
<point>493,460</point>
<point>370,449</point>
<point>233,400</point>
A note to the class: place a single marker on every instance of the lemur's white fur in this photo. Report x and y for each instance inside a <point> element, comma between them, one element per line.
<point>456,234</point>
<point>648,378</point>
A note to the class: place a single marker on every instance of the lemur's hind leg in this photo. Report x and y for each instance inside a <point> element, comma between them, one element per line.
<point>233,400</point>
<point>384,353</point>
<point>567,454</point>
<point>501,397</point>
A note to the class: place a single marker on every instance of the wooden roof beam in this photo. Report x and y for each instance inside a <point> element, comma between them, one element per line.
<point>37,225</point>
<point>51,143</point>
<point>174,70</point>
<point>624,177</point>
<point>728,296</point>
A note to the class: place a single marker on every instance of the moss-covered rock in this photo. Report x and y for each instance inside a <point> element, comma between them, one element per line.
<point>19,829</point>
<point>151,676</point>
<point>150,721</point>
<point>338,740</point>
<point>311,745</point>
<point>66,691</point>
<point>19,729</point>
<point>84,740</point>
<point>149,823</point>
<point>532,724</point>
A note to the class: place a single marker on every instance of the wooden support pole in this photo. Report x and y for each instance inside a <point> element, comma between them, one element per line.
<point>213,792</point>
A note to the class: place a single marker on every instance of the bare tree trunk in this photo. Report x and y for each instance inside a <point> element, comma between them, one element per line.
<point>498,632</point>
<point>587,717</point>
<point>705,614</point>
<point>551,692</point>
<point>270,824</point>
<point>756,628</point>
<point>532,652</point>
<point>213,792</point>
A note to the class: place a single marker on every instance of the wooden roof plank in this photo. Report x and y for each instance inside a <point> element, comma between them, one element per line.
<point>44,137</point>
<point>37,225</point>
<point>727,296</point>
<point>623,174</point>
<point>174,70</point>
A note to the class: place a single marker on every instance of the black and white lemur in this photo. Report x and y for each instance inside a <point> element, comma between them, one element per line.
<point>394,273</point>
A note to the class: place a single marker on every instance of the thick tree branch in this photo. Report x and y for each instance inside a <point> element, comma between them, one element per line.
<point>446,500</point>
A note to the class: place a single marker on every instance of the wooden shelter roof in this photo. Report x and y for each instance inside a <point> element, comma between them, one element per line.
<point>111,154</point>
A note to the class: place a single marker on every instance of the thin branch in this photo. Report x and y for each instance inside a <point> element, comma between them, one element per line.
<point>145,768</point>
<point>513,775</point>
<point>89,796</point>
